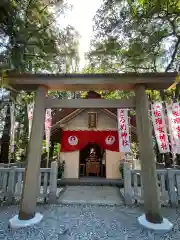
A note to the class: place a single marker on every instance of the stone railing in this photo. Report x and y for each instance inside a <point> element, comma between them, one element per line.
<point>11,183</point>
<point>168,182</point>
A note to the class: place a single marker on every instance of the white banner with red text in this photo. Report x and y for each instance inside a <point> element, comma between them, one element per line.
<point>48,123</point>
<point>123,130</point>
<point>160,128</point>
<point>173,113</point>
<point>13,127</point>
<point>30,110</point>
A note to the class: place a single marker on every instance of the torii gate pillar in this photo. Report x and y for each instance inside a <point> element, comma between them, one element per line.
<point>27,211</point>
<point>152,218</point>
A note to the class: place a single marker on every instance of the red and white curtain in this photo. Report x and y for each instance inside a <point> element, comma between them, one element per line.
<point>48,124</point>
<point>77,140</point>
<point>30,110</point>
<point>173,114</point>
<point>123,131</point>
<point>160,128</point>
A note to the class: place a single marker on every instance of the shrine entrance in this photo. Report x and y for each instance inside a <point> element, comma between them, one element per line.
<point>137,82</point>
<point>92,161</point>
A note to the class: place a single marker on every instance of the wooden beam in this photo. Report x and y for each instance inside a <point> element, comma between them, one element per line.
<point>89,103</point>
<point>85,82</point>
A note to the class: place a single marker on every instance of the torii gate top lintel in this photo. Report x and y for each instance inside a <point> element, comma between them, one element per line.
<point>84,82</point>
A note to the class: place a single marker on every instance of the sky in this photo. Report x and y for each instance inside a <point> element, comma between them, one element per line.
<point>81,18</point>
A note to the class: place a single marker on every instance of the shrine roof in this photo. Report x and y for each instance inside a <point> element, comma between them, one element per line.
<point>85,82</point>
<point>67,114</point>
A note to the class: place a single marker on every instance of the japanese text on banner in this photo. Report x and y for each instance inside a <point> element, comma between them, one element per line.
<point>123,130</point>
<point>48,123</point>
<point>160,129</point>
<point>13,127</point>
<point>173,112</point>
<point>30,109</point>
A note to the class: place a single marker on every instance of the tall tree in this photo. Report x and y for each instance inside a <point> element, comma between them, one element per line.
<point>31,41</point>
<point>28,34</point>
<point>138,35</point>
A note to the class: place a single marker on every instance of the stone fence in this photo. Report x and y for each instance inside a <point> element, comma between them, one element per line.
<point>11,183</point>
<point>168,183</point>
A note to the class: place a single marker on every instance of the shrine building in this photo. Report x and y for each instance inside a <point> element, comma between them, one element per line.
<point>89,140</point>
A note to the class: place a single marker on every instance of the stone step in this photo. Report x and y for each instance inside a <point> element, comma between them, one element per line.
<point>93,195</point>
<point>90,181</point>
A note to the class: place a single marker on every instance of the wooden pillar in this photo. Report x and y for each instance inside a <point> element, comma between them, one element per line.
<point>32,172</point>
<point>148,168</point>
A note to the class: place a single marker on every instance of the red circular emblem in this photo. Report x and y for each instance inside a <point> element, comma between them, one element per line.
<point>110,140</point>
<point>73,140</point>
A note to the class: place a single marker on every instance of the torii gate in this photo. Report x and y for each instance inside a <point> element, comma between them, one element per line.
<point>41,83</point>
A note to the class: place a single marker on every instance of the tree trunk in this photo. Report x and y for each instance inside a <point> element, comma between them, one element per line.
<point>6,138</point>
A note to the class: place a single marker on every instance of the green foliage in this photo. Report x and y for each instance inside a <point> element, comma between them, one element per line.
<point>119,94</point>
<point>137,36</point>
<point>31,40</point>
<point>21,134</point>
<point>57,148</point>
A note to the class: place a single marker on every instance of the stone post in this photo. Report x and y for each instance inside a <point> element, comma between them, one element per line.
<point>171,188</point>
<point>127,184</point>
<point>53,182</point>
<point>11,184</point>
<point>148,168</point>
<point>32,171</point>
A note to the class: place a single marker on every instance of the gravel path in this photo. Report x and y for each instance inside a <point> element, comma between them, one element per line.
<point>80,222</point>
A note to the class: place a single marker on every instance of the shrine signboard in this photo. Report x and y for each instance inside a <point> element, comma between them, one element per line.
<point>92,119</point>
